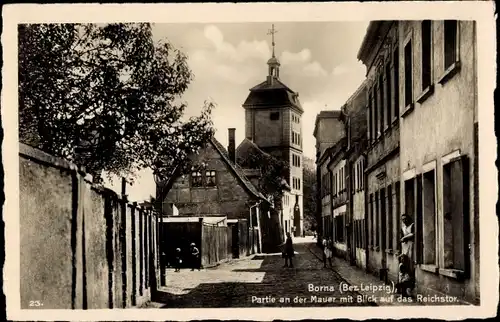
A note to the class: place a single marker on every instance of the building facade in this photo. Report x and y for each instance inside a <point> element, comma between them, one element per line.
<point>439,153</point>
<point>328,131</point>
<point>339,220</point>
<point>354,116</point>
<point>273,121</point>
<point>421,156</point>
<point>380,53</point>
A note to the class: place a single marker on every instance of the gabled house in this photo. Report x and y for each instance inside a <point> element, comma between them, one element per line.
<point>216,186</point>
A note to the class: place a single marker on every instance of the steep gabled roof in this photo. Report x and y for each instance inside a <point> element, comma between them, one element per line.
<point>247,147</point>
<point>237,170</point>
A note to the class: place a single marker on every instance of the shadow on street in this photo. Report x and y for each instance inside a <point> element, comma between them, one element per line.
<point>249,282</point>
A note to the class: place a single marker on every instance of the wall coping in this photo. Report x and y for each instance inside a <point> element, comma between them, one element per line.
<point>37,155</point>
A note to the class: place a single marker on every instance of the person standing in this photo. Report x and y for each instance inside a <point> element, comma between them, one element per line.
<point>178,260</point>
<point>195,257</point>
<point>407,236</point>
<point>327,251</point>
<point>407,239</point>
<point>288,252</point>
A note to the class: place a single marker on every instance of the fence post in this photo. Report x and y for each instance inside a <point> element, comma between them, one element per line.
<point>163,255</point>
<point>123,241</point>
<point>201,246</point>
<point>134,254</point>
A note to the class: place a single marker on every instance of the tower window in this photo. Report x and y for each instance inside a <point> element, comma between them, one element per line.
<point>295,160</point>
<point>274,116</point>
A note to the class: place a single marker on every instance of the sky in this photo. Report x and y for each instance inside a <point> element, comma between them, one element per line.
<point>318,60</point>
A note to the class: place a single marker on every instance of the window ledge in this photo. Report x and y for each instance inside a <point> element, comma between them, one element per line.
<point>426,93</point>
<point>429,268</point>
<point>376,248</point>
<point>449,72</point>
<point>395,120</point>
<point>452,273</point>
<point>389,251</point>
<point>408,110</point>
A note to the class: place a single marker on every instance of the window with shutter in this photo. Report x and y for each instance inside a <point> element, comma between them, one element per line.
<point>456,216</point>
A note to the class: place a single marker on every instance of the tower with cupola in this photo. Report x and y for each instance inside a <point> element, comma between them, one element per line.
<point>273,121</point>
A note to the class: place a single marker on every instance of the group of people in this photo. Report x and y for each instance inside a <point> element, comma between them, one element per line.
<point>193,258</point>
<point>406,275</point>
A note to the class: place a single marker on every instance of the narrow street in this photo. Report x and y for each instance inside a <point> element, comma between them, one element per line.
<point>260,281</point>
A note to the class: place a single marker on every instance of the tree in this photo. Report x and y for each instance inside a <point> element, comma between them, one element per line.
<point>106,97</point>
<point>272,182</point>
<point>310,188</point>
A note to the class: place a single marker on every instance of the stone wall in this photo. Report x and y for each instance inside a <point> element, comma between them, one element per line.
<point>79,243</point>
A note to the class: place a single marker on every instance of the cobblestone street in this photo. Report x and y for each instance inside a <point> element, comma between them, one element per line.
<point>260,281</point>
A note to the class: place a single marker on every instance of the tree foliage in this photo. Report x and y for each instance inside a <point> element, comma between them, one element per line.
<point>274,172</point>
<point>106,97</point>
<point>310,191</point>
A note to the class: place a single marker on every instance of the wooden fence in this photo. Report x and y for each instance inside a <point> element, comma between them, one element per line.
<point>214,244</point>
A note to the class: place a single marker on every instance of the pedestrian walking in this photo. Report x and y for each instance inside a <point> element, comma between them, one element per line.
<point>195,257</point>
<point>178,260</point>
<point>288,251</point>
<point>327,251</point>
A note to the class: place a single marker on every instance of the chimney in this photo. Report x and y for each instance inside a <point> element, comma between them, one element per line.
<point>231,145</point>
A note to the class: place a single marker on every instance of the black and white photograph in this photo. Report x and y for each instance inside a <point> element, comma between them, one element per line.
<point>298,161</point>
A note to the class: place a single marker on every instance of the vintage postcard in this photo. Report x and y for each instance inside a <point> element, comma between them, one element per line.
<point>249,161</point>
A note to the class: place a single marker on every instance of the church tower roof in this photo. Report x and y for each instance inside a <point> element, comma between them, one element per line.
<point>272,92</point>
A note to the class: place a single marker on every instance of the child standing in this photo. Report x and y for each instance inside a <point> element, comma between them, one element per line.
<point>404,284</point>
<point>195,257</point>
<point>178,260</point>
